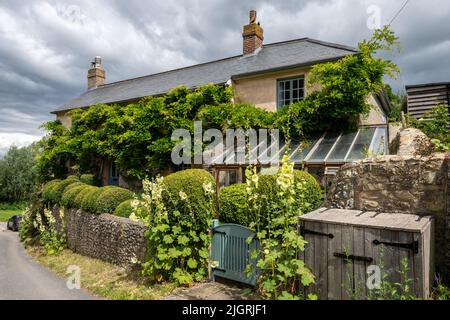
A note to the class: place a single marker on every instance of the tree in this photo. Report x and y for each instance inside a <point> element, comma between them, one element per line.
<point>18,174</point>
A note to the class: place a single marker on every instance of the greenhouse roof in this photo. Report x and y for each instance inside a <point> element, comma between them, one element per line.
<point>326,149</point>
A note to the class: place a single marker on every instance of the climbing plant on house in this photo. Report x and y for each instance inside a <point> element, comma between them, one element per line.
<point>137,136</point>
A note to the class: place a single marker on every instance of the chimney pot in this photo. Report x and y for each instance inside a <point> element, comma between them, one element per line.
<point>253,35</point>
<point>96,74</point>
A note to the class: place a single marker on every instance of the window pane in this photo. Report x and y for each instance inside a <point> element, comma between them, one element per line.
<point>281,85</point>
<point>287,85</point>
<point>295,95</point>
<point>362,144</point>
<point>301,94</point>
<point>295,84</point>
<point>324,147</point>
<point>379,142</point>
<point>300,153</point>
<point>342,147</point>
<point>287,95</point>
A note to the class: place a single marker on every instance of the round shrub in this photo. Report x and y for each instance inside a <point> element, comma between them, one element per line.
<point>60,188</point>
<point>89,202</point>
<point>89,179</point>
<point>311,197</point>
<point>47,190</point>
<point>110,198</point>
<point>233,205</point>
<point>124,209</point>
<point>70,194</point>
<point>85,192</point>
<point>190,183</point>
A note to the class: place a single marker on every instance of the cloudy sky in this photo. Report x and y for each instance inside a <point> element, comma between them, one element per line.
<point>46,46</point>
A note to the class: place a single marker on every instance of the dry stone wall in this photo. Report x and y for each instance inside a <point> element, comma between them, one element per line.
<point>113,239</point>
<point>400,184</point>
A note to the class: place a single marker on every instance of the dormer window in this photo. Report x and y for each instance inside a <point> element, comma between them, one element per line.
<point>290,90</point>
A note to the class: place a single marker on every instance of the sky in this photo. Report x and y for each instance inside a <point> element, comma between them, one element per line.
<point>46,46</point>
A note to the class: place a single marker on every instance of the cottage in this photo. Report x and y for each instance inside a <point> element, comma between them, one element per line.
<point>268,76</point>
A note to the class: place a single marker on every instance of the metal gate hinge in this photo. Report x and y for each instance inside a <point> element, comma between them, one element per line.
<point>304,231</point>
<point>414,246</point>
<point>352,257</point>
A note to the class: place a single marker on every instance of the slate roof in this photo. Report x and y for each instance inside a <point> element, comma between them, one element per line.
<point>275,56</point>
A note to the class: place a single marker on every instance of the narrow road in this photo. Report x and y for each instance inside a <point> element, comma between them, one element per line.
<point>21,278</point>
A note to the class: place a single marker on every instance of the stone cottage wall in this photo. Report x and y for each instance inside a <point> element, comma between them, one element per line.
<point>106,237</point>
<point>400,184</point>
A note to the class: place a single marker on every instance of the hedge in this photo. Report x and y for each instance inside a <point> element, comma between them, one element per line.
<point>47,190</point>
<point>89,179</point>
<point>233,200</point>
<point>124,209</point>
<point>70,194</point>
<point>233,205</point>
<point>191,183</point>
<point>110,198</point>
<point>84,193</point>
<point>59,189</point>
<point>89,202</point>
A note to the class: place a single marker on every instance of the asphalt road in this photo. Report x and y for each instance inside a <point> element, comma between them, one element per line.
<point>21,278</point>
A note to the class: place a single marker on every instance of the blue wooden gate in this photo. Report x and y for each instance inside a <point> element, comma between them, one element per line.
<point>231,253</point>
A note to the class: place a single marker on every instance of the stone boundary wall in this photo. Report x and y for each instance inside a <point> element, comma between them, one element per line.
<point>400,184</point>
<point>109,238</point>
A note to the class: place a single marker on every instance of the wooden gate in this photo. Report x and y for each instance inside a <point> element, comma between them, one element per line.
<point>231,253</point>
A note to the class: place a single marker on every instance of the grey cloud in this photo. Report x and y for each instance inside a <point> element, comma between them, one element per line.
<point>46,46</point>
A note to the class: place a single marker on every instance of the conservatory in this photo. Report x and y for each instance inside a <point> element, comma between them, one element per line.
<point>321,156</point>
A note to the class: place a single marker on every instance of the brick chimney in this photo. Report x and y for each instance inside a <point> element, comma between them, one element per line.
<point>253,35</point>
<point>96,75</point>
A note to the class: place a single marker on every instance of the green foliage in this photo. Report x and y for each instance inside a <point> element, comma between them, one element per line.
<point>38,227</point>
<point>398,102</point>
<point>191,182</point>
<point>70,194</point>
<point>82,195</point>
<point>124,209</point>
<point>436,126</point>
<point>394,290</point>
<point>282,274</point>
<point>89,202</point>
<point>180,210</point>
<point>18,174</point>
<point>345,85</point>
<point>58,189</point>
<point>47,190</point>
<point>233,205</point>
<point>110,198</point>
<point>89,179</point>
<point>131,136</point>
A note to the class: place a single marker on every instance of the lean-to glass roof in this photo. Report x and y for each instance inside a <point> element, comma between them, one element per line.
<point>329,148</point>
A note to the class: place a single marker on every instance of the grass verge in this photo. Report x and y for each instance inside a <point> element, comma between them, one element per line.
<point>6,214</point>
<point>101,278</point>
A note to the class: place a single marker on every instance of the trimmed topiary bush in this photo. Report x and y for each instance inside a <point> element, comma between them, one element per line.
<point>89,179</point>
<point>110,198</point>
<point>308,201</point>
<point>233,205</point>
<point>47,190</point>
<point>89,202</point>
<point>85,192</point>
<point>59,189</point>
<point>124,209</point>
<point>191,183</point>
<point>70,194</point>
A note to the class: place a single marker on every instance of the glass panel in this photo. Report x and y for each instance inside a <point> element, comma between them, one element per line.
<point>287,85</point>
<point>301,94</point>
<point>324,147</point>
<point>362,144</point>
<point>300,153</point>
<point>295,95</point>
<point>281,85</point>
<point>342,147</point>
<point>295,84</point>
<point>287,95</point>
<point>232,177</point>
<point>379,142</point>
